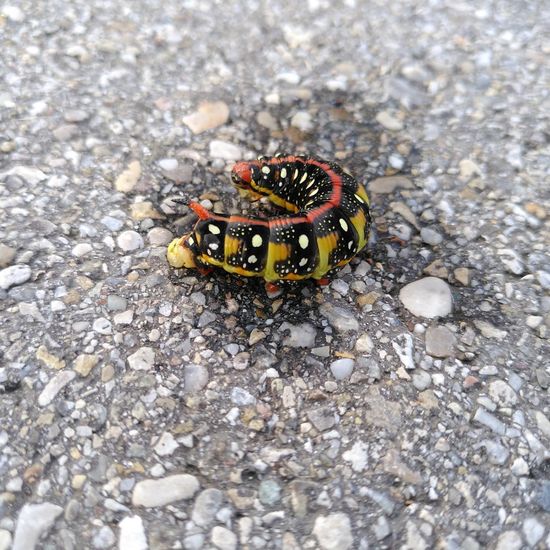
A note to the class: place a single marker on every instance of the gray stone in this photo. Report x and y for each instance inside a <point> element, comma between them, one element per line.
<point>241,397</point>
<point>342,368</point>
<point>195,378</point>
<point>104,538</point>
<point>14,275</point>
<point>357,456</point>
<point>54,386</point>
<point>421,380</point>
<point>341,319</point>
<point>223,538</point>
<point>429,297</point>
<point>431,236</point>
<point>129,240</point>
<point>269,492</point>
<point>224,150</point>
<point>116,303</point>
<point>142,359</point>
<point>489,420</point>
<point>333,532</point>
<point>206,507</point>
<point>533,531</point>
<point>322,418</point>
<point>509,540</point>
<point>166,444</point>
<point>159,236</point>
<point>502,394</point>
<point>152,493</point>
<point>301,336</point>
<point>440,341</point>
<point>32,522</point>
<point>206,318</point>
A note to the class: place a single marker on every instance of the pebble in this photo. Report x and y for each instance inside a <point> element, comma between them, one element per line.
<point>468,168</point>
<point>132,534</point>
<point>124,317</point>
<point>364,344</point>
<point>333,532</point>
<point>303,121</point>
<point>301,336</point>
<point>502,394</point>
<point>159,236</point>
<point>206,507</point>
<point>166,444</point>
<point>224,150</point>
<point>440,341</point>
<point>533,531</point>
<point>389,184</point>
<point>428,297</point>
<point>54,386</point>
<point>195,378</point>
<point>269,492</point>
<point>84,364</point>
<point>490,331</point>
<point>114,224</point>
<point>520,467</point>
<point>463,275</point>
<point>267,120</point>
<point>341,319</point>
<point>388,121</point>
<point>509,540</point>
<point>512,261</point>
<point>381,528</point>
<point>489,420</point>
<point>75,115</point>
<point>223,538</point>
<point>206,318</point>
<point>49,359</point>
<point>13,13</point>
<point>14,275</point>
<point>357,456</point>
<point>430,236</point>
<point>342,368</point>
<point>404,350</point>
<point>129,240</point>
<point>142,359</point>
<point>32,522</point>
<point>102,326</point>
<point>209,115</point>
<point>152,493</point>
<point>128,179</point>
<point>322,418</point>
<point>168,164</point>
<point>104,538</point>
<point>116,303</point>
<point>81,250</point>
<point>242,397</point>
<point>5,539</point>
<point>33,176</point>
<point>7,254</point>
<point>421,380</point>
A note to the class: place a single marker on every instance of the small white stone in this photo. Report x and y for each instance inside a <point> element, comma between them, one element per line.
<point>129,240</point>
<point>388,121</point>
<point>13,13</point>
<point>32,522</point>
<point>428,297</point>
<point>132,534</point>
<point>364,344</point>
<point>142,359</point>
<point>224,150</point>
<point>533,531</point>
<point>223,538</point>
<point>102,326</point>
<point>405,350</point>
<point>168,164</point>
<point>81,249</point>
<point>152,493</point>
<point>342,368</point>
<point>430,236</point>
<point>159,236</point>
<point>14,275</point>
<point>357,456</point>
<point>166,444</point>
<point>54,386</point>
<point>302,120</point>
<point>333,532</point>
<point>509,540</point>
<point>502,394</point>
<point>301,336</point>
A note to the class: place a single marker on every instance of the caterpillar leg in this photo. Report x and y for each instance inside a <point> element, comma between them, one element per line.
<point>273,290</point>
<point>205,271</point>
<point>324,281</point>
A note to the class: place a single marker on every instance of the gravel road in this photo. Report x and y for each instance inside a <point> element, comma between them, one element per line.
<point>405,405</point>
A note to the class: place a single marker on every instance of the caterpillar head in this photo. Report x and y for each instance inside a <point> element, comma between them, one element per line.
<point>241,175</point>
<point>180,254</point>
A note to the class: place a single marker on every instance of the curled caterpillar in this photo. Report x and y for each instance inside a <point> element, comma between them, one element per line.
<point>327,226</point>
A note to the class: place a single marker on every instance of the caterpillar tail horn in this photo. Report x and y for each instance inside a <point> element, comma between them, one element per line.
<point>199,210</point>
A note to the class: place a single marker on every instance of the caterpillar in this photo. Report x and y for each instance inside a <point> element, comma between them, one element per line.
<point>327,226</point>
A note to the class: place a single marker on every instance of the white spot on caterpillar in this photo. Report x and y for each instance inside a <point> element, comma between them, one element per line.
<point>252,259</point>
<point>303,241</point>
<point>350,245</point>
<point>343,224</point>
<point>303,262</point>
<point>283,173</point>
<point>257,241</point>
<point>191,241</point>
<point>359,198</point>
<point>214,229</point>
<point>295,174</point>
<point>303,177</point>
<point>314,192</point>
<point>310,183</point>
<point>266,169</point>
<point>213,246</point>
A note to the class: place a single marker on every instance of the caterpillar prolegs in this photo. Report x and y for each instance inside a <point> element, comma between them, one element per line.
<point>327,226</point>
